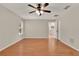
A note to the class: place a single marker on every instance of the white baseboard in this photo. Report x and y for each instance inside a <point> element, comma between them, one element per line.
<point>35,37</point>
<point>19,39</point>
<point>69,45</point>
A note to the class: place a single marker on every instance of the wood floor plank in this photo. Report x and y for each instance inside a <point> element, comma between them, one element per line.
<point>39,47</point>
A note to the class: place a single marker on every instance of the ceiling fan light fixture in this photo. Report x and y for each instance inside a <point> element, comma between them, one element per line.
<point>39,12</point>
<point>40,9</point>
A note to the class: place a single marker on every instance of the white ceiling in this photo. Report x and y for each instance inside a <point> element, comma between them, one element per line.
<point>21,9</point>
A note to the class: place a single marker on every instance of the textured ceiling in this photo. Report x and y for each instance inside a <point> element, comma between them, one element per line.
<point>21,9</point>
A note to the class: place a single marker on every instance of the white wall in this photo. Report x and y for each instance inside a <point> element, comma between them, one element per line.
<point>9,23</point>
<point>69,30</point>
<point>36,29</point>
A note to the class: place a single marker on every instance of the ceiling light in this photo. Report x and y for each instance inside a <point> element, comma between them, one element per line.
<point>38,12</point>
<point>41,12</point>
<point>40,9</point>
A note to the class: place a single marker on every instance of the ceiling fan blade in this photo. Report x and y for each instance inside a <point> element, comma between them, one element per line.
<point>47,11</point>
<point>32,11</point>
<point>46,4</point>
<point>32,6</point>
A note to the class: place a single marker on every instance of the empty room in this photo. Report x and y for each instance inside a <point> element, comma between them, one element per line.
<point>39,29</point>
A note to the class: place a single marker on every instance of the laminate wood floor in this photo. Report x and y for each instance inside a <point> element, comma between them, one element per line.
<point>39,47</point>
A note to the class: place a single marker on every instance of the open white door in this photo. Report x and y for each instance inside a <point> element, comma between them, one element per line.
<point>53,35</point>
<point>53,29</point>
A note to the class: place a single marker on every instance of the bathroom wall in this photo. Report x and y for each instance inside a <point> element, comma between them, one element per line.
<point>9,24</point>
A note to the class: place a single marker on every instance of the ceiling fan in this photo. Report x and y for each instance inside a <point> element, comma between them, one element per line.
<point>40,8</point>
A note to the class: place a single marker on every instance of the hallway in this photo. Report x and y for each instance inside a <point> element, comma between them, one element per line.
<point>38,47</point>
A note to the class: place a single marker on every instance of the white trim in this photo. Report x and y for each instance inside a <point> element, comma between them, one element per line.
<point>19,39</point>
<point>69,45</point>
<point>35,37</point>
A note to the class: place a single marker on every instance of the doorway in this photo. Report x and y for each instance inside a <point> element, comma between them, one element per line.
<point>53,35</point>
